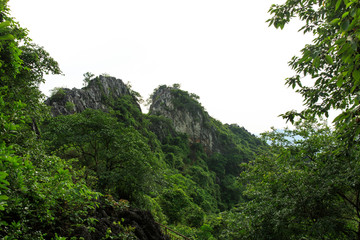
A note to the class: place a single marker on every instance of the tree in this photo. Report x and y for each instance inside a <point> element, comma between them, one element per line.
<point>332,61</point>
<point>117,156</point>
<point>37,191</point>
<point>87,78</point>
<point>305,188</point>
<point>22,68</point>
<point>308,187</point>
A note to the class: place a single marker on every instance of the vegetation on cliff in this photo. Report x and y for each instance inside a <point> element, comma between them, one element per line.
<point>58,173</point>
<point>86,172</point>
<point>144,159</point>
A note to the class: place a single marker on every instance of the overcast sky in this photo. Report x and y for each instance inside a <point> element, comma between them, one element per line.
<point>221,50</point>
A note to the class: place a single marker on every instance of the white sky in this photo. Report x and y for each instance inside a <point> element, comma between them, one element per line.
<point>222,51</point>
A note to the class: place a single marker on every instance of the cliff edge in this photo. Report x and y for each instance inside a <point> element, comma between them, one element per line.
<point>99,94</point>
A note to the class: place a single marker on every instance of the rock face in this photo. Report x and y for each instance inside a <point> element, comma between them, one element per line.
<point>187,115</point>
<point>99,94</point>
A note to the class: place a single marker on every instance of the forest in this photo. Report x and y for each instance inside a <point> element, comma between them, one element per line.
<point>89,164</point>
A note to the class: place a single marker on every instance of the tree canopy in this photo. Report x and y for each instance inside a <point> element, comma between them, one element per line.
<point>307,186</point>
<point>327,72</point>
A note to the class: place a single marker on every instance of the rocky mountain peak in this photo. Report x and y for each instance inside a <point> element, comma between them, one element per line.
<point>186,113</point>
<point>98,94</point>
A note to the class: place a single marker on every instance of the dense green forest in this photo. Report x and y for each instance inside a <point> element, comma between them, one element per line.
<point>96,167</point>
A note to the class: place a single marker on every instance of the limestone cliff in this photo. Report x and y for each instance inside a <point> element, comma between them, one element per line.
<point>187,115</point>
<point>99,94</point>
<point>181,113</point>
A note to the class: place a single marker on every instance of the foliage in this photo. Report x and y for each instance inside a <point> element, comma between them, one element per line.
<point>38,193</point>
<point>174,202</point>
<point>128,112</point>
<point>50,167</point>
<point>152,204</point>
<point>135,95</point>
<point>38,208</point>
<point>307,187</point>
<point>87,78</point>
<point>70,106</point>
<point>152,98</point>
<point>332,61</point>
<point>22,66</point>
<point>236,146</point>
<point>41,196</point>
<point>176,85</point>
<point>205,232</point>
<point>116,155</point>
<point>10,120</point>
<point>57,94</point>
<point>233,145</point>
<point>185,101</point>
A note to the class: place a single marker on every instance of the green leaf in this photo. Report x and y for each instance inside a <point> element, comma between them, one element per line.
<point>349,4</point>
<point>356,75</point>
<point>354,87</point>
<point>353,12</point>
<point>345,14</point>
<point>357,132</point>
<point>3,25</point>
<point>356,78</point>
<point>338,4</point>
<point>341,117</point>
<point>316,62</point>
<point>3,175</point>
<point>335,21</point>
<point>6,37</point>
<point>329,59</point>
<point>3,197</point>
<point>340,82</point>
<point>345,25</point>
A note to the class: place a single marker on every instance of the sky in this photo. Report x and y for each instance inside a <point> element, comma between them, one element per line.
<point>221,50</point>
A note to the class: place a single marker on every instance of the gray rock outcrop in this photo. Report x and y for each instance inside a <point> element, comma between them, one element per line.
<point>187,115</point>
<point>99,94</point>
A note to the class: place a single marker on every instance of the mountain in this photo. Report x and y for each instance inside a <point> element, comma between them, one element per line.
<point>186,114</point>
<point>190,118</point>
<point>225,146</point>
<point>98,94</point>
<point>177,161</point>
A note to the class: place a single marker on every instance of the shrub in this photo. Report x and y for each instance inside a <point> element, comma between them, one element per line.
<point>70,106</point>
<point>57,94</point>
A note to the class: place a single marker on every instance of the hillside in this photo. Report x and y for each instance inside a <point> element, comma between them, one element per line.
<point>184,164</point>
<point>90,165</point>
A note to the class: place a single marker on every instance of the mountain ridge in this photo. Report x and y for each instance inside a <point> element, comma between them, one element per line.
<point>195,158</point>
<point>98,94</point>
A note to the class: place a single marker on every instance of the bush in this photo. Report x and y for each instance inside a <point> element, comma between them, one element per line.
<point>194,216</point>
<point>42,200</point>
<point>70,106</point>
<point>57,94</point>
